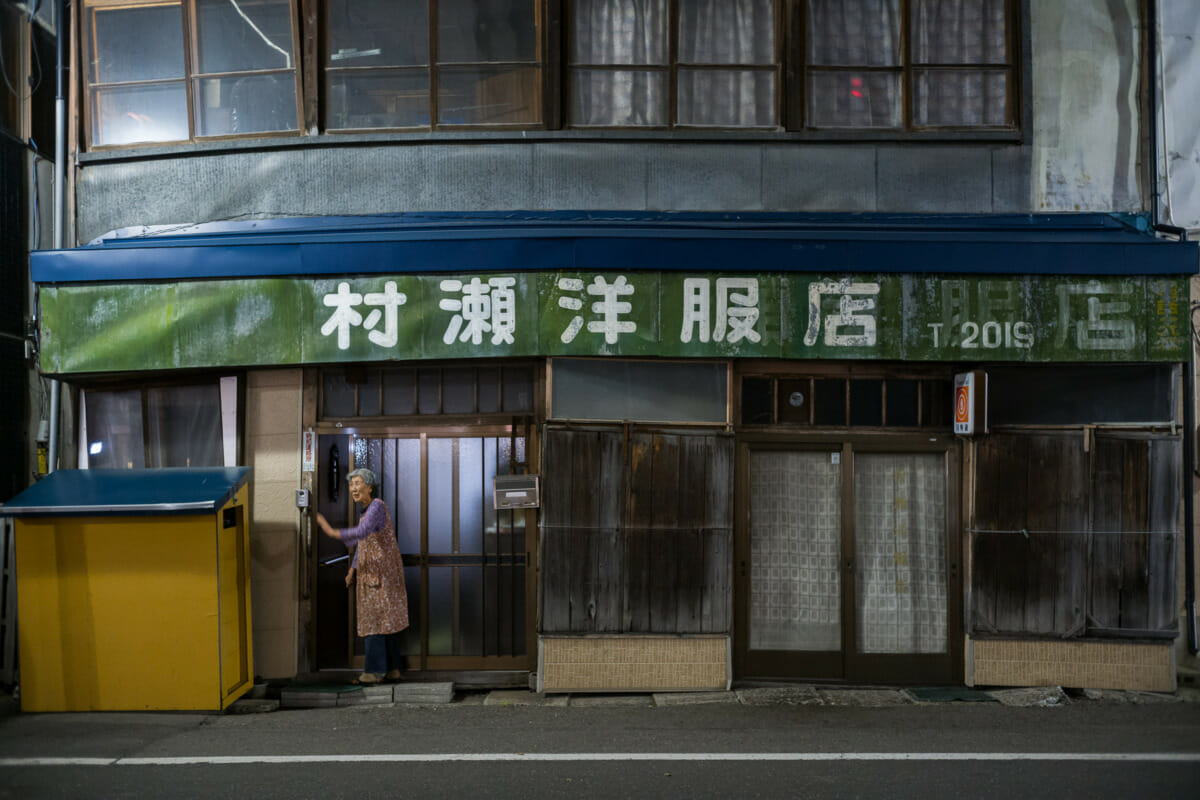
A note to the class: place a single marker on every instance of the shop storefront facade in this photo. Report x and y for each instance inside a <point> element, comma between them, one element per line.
<point>742,428</point>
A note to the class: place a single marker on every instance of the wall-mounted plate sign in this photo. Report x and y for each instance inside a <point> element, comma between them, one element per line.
<point>516,491</point>
<point>970,402</point>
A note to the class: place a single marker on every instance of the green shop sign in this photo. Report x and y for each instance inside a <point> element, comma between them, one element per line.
<point>273,321</point>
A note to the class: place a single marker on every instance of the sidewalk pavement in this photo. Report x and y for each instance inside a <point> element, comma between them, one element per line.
<point>334,695</point>
<point>316,696</point>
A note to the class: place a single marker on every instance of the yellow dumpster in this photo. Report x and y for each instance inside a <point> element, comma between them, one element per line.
<point>133,589</point>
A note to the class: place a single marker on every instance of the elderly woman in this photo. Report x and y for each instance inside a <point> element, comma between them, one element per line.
<point>382,600</point>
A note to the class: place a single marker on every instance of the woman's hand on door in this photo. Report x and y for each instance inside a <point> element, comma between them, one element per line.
<point>324,525</point>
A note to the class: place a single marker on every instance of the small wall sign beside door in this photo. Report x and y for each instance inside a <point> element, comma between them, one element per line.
<point>970,402</point>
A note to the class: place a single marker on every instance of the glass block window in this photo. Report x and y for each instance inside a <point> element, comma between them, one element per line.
<point>795,551</point>
<point>900,548</point>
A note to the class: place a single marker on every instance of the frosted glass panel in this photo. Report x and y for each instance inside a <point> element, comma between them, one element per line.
<point>441,497</point>
<point>795,548</point>
<point>900,543</point>
<point>647,391</point>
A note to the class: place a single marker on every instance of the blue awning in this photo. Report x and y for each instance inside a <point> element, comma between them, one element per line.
<point>1028,244</point>
<point>108,492</point>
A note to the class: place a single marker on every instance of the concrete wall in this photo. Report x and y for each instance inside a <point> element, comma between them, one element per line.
<point>1083,150</point>
<point>273,450</point>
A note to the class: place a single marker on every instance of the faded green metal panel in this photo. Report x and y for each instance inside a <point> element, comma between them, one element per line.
<point>275,321</point>
<point>239,322</point>
<point>107,328</point>
<point>1168,320</point>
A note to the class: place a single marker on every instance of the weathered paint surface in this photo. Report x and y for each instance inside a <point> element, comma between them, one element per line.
<point>121,327</point>
<point>1086,66</point>
<point>1078,151</point>
<point>1179,155</point>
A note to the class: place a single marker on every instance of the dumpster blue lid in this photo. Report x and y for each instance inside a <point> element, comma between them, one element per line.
<point>94,492</point>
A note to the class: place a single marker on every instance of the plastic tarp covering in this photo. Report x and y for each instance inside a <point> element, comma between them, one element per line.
<point>1086,65</point>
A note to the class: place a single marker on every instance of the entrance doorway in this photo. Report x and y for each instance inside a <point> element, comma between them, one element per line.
<point>467,565</point>
<point>847,559</point>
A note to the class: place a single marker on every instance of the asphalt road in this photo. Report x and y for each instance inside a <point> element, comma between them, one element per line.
<point>946,750</point>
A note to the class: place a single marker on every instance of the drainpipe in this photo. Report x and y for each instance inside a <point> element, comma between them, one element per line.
<point>1189,544</point>
<point>60,168</point>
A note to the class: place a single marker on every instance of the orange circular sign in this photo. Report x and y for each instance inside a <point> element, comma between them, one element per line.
<point>962,409</point>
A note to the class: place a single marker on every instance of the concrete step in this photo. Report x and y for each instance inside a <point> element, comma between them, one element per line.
<point>366,696</point>
<point>423,693</point>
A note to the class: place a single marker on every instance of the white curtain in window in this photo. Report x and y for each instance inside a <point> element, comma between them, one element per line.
<point>953,32</point>
<point>795,549</point>
<point>854,33</point>
<point>635,33</point>
<point>183,426</point>
<point>900,548</point>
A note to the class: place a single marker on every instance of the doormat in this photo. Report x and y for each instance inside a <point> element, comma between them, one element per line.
<point>950,694</point>
<point>322,687</point>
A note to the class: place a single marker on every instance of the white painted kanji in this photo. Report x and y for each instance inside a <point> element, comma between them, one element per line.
<point>852,299</point>
<point>344,316</point>
<point>573,304</point>
<point>695,309</point>
<point>489,307</point>
<point>1105,327</point>
<point>385,306</point>
<point>610,308</point>
<point>737,310</point>
<point>390,301</point>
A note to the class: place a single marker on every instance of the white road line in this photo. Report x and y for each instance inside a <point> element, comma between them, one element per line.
<point>331,758</point>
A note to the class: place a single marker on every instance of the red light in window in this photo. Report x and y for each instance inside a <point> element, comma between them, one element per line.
<point>856,82</point>
<point>855,93</point>
<point>857,90</point>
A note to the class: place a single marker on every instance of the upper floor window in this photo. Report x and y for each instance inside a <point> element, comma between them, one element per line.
<point>944,63</point>
<point>432,63</point>
<point>173,71</point>
<point>664,63</point>
<point>177,70</point>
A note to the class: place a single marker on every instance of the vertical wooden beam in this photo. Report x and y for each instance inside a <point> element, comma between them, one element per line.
<point>310,63</point>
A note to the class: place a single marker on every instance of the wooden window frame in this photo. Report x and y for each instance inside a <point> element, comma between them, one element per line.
<point>545,22</point>
<point>799,69</point>
<point>191,79</point>
<point>439,417</point>
<point>671,68</point>
<point>784,372</point>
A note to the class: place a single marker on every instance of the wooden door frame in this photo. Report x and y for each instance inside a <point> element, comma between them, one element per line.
<point>846,665</point>
<point>371,429</point>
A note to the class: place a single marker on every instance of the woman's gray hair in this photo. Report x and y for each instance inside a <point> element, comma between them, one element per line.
<point>368,477</point>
